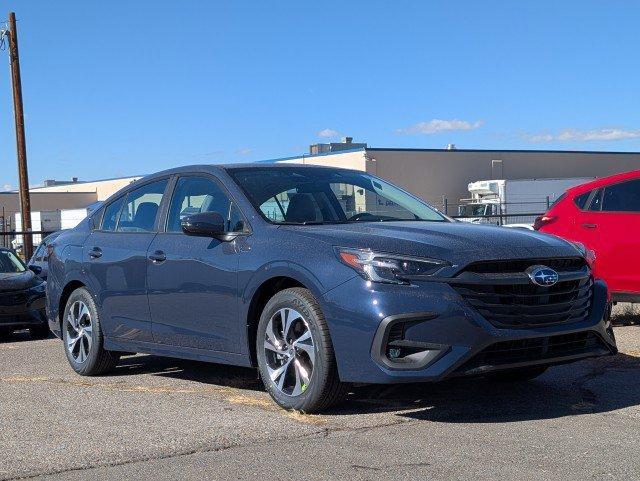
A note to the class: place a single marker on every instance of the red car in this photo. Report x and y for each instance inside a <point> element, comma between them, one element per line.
<point>604,215</point>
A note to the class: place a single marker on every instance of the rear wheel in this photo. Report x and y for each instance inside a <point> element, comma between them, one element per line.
<point>83,338</point>
<point>4,333</point>
<point>295,354</point>
<point>518,375</point>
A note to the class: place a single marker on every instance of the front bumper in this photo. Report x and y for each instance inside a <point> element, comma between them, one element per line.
<point>448,337</point>
<point>21,309</point>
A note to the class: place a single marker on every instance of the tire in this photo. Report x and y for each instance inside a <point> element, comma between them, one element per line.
<point>322,388</point>
<point>40,332</point>
<point>519,375</point>
<point>5,333</point>
<point>86,355</point>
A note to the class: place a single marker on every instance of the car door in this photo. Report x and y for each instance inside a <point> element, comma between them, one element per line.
<point>115,257</point>
<point>193,291</point>
<point>616,225</point>
<point>585,223</point>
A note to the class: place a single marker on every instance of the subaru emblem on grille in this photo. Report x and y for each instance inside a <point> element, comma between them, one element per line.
<point>542,275</point>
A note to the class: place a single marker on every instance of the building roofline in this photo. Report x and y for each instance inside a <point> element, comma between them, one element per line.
<point>307,156</point>
<point>397,149</point>
<point>532,151</point>
<point>67,184</point>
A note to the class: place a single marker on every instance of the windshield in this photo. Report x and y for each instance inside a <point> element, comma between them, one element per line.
<point>9,263</point>
<point>473,210</point>
<point>308,195</point>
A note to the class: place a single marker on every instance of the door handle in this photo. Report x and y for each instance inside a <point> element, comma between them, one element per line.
<point>95,253</point>
<point>157,257</point>
<point>589,226</point>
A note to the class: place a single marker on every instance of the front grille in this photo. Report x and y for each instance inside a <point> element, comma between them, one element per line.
<point>503,294</point>
<point>520,265</point>
<point>555,348</point>
<point>13,298</point>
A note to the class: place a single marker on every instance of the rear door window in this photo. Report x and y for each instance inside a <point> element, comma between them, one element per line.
<point>622,197</point>
<point>596,201</point>
<point>111,214</point>
<point>581,200</point>
<point>39,255</point>
<point>141,208</point>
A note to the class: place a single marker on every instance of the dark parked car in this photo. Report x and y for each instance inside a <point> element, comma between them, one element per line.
<point>320,277</point>
<point>22,298</point>
<point>39,262</point>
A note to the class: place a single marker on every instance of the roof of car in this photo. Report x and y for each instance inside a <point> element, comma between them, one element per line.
<point>599,182</point>
<point>216,168</point>
<point>280,165</point>
<point>227,167</point>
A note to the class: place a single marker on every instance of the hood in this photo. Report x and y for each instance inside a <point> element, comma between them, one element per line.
<point>17,281</point>
<point>456,242</point>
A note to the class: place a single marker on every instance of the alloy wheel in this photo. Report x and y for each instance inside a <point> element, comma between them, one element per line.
<point>289,352</point>
<point>79,331</point>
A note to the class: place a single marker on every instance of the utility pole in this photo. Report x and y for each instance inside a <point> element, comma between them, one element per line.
<point>23,175</point>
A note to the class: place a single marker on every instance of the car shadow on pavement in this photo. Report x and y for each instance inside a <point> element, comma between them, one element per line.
<point>21,336</point>
<point>626,320</point>
<point>592,386</point>
<point>203,372</point>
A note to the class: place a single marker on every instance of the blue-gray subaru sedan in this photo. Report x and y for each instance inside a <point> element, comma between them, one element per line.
<point>320,277</point>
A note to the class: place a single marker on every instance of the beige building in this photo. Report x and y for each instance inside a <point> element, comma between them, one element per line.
<point>58,196</point>
<point>434,174</point>
<point>101,189</point>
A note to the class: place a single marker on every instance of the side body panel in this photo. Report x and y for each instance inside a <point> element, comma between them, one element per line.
<point>193,294</point>
<point>119,281</point>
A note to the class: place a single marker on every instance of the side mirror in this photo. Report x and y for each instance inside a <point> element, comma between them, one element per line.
<point>37,270</point>
<point>205,224</point>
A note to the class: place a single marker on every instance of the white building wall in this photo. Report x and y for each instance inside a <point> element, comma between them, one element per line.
<point>346,160</point>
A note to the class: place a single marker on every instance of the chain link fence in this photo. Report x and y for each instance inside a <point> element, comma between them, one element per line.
<point>14,240</point>
<point>12,237</point>
<point>497,213</point>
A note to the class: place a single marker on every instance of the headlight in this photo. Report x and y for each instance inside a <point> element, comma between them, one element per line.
<point>390,268</point>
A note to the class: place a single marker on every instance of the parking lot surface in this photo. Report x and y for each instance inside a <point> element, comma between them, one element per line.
<point>168,419</point>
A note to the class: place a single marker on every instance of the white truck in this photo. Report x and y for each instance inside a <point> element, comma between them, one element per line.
<point>44,221</point>
<point>506,202</point>
<point>50,221</point>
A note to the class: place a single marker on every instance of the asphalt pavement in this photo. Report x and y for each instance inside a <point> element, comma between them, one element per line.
<point>166,419</point>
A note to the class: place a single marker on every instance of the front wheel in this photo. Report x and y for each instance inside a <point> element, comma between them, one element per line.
<point>82,336</point>
<point>295,355</point>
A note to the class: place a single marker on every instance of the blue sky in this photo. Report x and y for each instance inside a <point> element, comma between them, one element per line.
<point>120,88</point>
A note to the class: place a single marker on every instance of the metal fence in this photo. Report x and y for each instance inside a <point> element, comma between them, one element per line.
<point>14,240</point>
<point>503,213</point>
<point>524,220</point>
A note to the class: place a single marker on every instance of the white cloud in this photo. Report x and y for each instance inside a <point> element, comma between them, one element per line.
<point>435,126</point>
<point>328,133</point>
<point>244,151</point>
<point>7,187</point>
<point>577,135</point>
